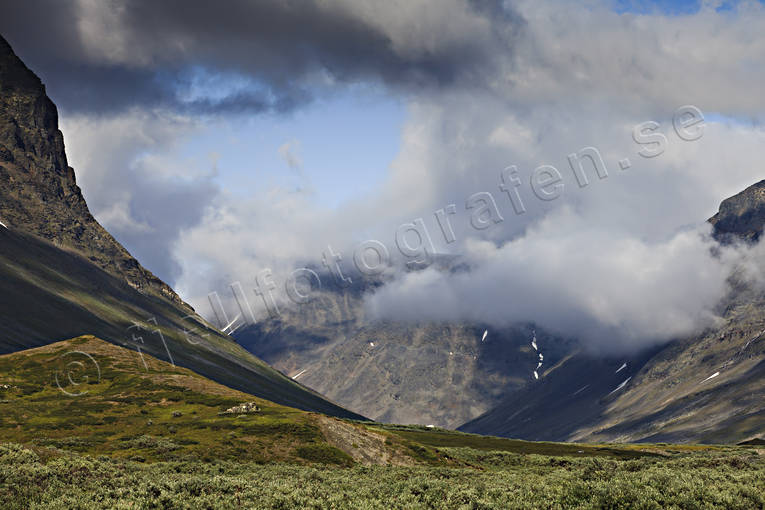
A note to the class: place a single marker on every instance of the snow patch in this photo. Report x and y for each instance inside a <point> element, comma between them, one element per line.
<point>710,377</point>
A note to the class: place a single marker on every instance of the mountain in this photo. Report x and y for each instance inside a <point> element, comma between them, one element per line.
<point>741,216</point>
<point>63,275</point>
<point>444,374</point>
<point>706,388</point>
<point>39,192</point>
<point>427,373</point>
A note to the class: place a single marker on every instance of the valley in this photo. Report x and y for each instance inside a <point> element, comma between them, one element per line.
<point>605,349</point>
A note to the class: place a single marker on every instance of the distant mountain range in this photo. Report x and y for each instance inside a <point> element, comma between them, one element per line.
<point>708,388</point>
<point>63,275</point>
<point>440,374</point>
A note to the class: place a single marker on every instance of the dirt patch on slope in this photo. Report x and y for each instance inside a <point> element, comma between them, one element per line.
<point>364,446</point>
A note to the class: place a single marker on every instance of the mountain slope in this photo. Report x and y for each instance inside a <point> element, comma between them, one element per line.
<point>93,397</point>
<point>707,388</point>
<point>38,191</point>
<point>741,216</point>
<point>427,373</point>
<point>63,275</point>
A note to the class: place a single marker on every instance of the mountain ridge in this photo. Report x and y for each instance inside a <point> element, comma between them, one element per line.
<point>63,275</point>
<point>39,192</point>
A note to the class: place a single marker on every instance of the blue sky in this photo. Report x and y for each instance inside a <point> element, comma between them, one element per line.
<point>664,6</point>
<point>673,7</point>
<point>355,132</point>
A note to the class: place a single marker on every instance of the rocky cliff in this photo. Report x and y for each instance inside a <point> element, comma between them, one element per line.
<point>741,216</point>
<point>38,191</point>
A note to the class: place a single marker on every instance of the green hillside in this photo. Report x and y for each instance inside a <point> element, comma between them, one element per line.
<point>87,424</point>
<point>49,294</point>
<point>89,396</point>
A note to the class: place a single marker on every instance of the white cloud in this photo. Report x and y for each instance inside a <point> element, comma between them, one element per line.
<point>623,261</point>
<point>135,184</point>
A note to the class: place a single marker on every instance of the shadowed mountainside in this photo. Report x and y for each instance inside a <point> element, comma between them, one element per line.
<point>63,275</point>
<point>707,388</point>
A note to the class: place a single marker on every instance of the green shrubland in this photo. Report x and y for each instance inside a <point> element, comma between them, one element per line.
<point>157,436</point>
<point>728,478</point>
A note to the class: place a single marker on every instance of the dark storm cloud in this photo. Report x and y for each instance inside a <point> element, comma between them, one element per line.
<point>283,48</point>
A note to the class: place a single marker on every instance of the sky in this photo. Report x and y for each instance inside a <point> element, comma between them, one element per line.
<point>218,142</point>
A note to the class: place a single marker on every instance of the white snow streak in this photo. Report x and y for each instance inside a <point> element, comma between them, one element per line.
<point>710,377</point>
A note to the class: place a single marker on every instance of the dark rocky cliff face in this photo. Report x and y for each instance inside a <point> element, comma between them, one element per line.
<point>38,191</point>
<point>741,216</point>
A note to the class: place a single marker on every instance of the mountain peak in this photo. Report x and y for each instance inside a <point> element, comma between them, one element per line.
<point>38,190</point>
<point>742,215</point>
<point>14,74</point>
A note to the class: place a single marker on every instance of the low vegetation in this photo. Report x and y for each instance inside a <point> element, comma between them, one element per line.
<point>37,477</point>
<point>88,396</point>
<point>135,435</point>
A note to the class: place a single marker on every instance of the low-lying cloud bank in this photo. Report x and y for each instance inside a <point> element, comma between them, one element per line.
<point>612,291</point>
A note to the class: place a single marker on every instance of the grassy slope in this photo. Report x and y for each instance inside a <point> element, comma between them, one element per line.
<point>147,436</point>
<point>50,294</point>
<point>89,396</point>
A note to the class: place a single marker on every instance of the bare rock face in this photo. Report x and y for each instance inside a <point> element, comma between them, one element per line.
<point>38,191</point>
<point>741,216</point>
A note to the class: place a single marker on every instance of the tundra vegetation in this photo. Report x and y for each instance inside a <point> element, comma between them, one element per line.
<point>135,435</point>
